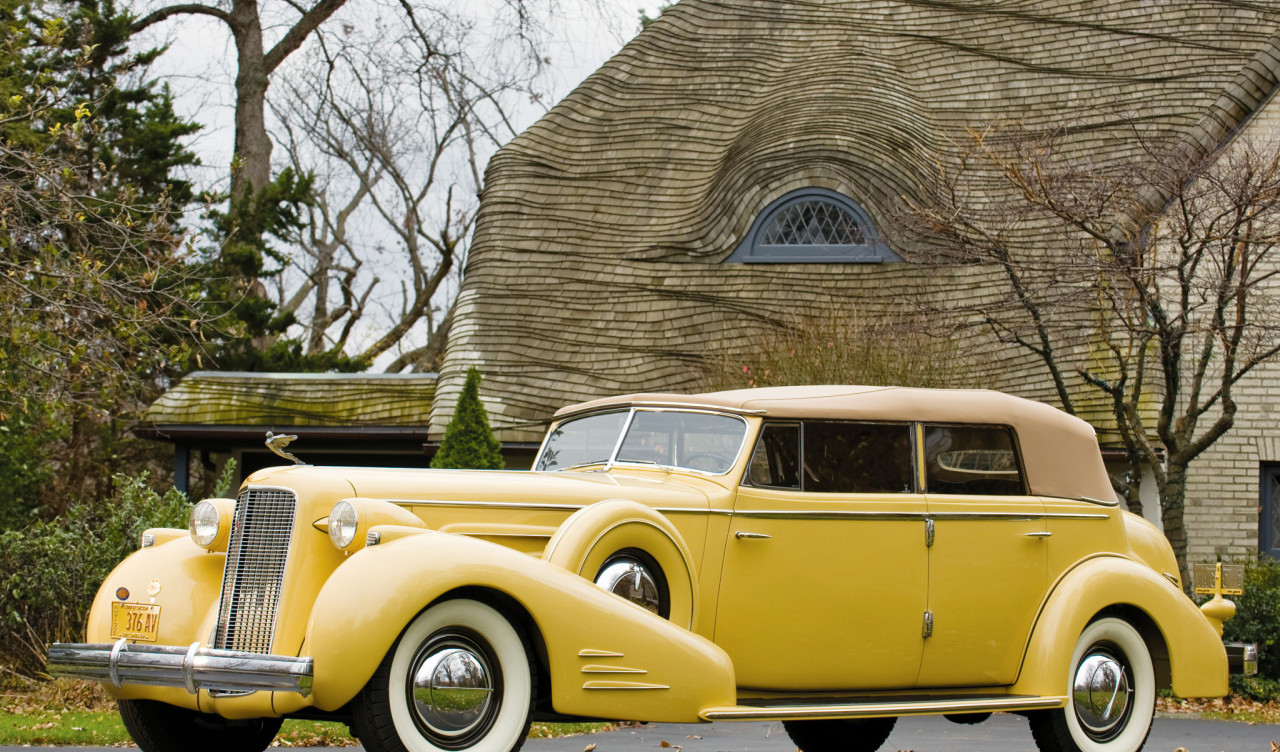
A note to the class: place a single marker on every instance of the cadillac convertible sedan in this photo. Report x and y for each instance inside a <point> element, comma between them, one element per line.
<point>827,557</point>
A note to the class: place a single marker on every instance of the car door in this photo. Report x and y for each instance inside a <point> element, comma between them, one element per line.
<point>987,556</point>
<point>824,580</point>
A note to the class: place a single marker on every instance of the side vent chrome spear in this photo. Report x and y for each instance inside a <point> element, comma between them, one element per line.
<point>277,442</point>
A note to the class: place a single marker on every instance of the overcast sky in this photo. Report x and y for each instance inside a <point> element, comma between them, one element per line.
<point>200,68</point>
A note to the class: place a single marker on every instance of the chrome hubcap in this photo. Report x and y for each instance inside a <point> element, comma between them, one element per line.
<point>630,579</point>
<point>452,689</point>
<point>1101,693</point>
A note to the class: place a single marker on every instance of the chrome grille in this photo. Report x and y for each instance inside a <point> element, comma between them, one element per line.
<point>256,555</point>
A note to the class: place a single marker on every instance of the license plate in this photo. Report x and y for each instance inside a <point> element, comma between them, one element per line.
<point>135,621</point>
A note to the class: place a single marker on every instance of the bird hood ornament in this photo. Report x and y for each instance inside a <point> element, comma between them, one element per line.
<point>277,442</point>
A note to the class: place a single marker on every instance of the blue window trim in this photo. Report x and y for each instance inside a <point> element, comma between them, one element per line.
<point>753,251</point>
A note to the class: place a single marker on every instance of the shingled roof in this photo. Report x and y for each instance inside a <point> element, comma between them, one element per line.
<point>596,264</point>
<point>228,404</point>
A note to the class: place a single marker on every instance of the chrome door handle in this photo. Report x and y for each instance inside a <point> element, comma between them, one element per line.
<point>1039,534</point>
<point>759,536</point>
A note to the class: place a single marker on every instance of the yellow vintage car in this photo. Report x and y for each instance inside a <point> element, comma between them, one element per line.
<point>828,557</point>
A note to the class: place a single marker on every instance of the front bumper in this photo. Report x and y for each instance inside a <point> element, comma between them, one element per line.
<point>193,668</point>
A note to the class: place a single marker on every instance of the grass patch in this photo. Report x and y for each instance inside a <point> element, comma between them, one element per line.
<point>104,729</point>
<point>69,712</point>
<point>556,730</point>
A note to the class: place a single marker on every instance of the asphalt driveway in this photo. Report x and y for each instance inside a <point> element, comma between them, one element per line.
<point>1002,733</point>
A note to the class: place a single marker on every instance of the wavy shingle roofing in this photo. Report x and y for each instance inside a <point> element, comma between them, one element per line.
<point>595,266</point>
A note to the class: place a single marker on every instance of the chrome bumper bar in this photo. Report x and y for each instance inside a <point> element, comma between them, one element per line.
<point>193,668</point>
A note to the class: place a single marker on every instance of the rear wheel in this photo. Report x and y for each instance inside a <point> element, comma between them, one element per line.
<point>159,727</point>
<point>1112,696</point>
<point>844,735</point>
<point>459,678</point>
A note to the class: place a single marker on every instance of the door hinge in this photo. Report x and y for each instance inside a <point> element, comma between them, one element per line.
<point>928,625</point>
<point>928,533</point>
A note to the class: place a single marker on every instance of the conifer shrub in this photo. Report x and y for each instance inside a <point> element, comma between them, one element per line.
<point>468,442</point>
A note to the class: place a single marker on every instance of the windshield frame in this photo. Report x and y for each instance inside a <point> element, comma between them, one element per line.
<point>613,460</point>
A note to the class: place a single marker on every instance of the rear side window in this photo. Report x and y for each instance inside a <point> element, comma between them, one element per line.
<point>857,458</point>
<point>972,460</point>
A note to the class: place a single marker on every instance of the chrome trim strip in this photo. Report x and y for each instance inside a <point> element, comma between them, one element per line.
<point>593,653</point>
<point>192,668</point>
<point>483,504</point>
<point>621,685</point>
<point>838,514</point>
<point>1100,501</point>
<point>612,670</point>
<point>874,708</point>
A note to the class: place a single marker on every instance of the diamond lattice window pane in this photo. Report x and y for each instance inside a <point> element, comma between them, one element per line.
<point>814,223</point>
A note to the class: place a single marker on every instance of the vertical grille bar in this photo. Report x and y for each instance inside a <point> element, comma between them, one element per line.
<point>256,556</point>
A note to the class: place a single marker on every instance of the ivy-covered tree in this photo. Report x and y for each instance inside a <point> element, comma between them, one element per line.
<point>98,299</point>
<point>468,442</point>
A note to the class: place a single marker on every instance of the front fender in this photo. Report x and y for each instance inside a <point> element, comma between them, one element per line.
<point>1197,659</point>
<point>187,583</point>
<point>607,658</point>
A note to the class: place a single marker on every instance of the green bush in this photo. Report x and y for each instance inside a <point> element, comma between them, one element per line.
<point>51,570</point>
<point>1255,688</point>
<point>1258,616</point>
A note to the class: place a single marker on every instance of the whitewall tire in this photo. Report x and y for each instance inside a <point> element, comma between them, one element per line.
<point>458,679</point>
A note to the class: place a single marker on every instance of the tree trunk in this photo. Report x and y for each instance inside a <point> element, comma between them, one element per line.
<point>251,164</point>
<point>1172,502</point>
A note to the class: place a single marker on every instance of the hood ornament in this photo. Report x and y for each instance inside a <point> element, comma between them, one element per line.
<point>277,442</point>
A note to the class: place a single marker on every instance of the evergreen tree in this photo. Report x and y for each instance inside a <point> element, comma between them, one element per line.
<point>468,442</point>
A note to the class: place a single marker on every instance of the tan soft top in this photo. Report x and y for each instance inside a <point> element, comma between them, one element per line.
<point>1060,451</point>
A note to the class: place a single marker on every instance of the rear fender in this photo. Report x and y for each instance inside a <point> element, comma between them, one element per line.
<point>607,658</point>
<point>1197,660</point>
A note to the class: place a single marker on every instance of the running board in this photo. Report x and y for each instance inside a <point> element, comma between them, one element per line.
<point>872,707</point>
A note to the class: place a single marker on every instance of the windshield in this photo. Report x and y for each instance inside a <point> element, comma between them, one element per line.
<point>708,442</point>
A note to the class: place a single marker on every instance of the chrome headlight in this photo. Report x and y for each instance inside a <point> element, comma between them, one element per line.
<point>343,523</point>
<point>205,524</point>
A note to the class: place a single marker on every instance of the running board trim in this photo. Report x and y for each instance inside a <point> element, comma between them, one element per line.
<point>873,708</point>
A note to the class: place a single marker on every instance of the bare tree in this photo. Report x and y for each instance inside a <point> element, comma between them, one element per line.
<point>1150,281</point>
<point>255,64</point>
<point>396,124</point>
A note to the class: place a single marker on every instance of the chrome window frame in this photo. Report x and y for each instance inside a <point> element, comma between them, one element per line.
<point>613,461</point>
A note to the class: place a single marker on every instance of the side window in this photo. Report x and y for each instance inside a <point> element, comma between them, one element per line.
<point>775,461</point>
<point>971,460</point>
<point>857,458</point>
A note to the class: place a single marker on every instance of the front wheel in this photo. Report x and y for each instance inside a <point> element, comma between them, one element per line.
<point>459,678</point>
<point>158,727</point>
<point>843,735</point>
<point>1112,697</point>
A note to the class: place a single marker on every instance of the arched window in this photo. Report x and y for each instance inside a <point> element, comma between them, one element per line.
<point>813,226</point>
